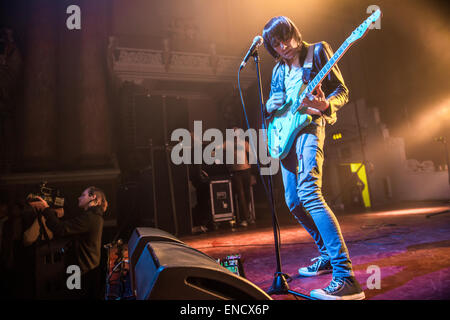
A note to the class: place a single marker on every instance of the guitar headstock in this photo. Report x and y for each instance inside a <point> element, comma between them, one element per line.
<point>361,31</point>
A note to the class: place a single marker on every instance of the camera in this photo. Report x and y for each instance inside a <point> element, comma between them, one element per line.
<point>52,196</point>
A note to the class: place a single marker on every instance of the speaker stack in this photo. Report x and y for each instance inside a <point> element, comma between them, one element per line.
<point>155,191</point>
<point>164,268</point>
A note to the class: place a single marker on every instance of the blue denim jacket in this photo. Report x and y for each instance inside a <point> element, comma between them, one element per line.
<point>333,85</point>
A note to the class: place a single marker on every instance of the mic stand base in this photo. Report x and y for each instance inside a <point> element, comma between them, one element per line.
<point>437,213</point>
<point>280,286</point>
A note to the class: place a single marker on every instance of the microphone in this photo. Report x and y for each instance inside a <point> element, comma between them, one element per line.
<point>257,41</point>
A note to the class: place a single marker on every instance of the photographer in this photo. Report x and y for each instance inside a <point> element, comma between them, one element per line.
<point>89,225</point>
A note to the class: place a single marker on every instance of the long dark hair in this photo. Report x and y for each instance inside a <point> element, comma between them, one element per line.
<point>279,28</point>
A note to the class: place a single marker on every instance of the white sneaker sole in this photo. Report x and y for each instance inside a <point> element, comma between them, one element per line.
<point>322,295</point>
<point>304,272</point>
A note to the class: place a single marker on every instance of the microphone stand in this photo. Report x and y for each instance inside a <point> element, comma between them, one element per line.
<point>279,284</point>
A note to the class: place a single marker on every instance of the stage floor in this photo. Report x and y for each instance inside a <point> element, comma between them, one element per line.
<point>408,250</point>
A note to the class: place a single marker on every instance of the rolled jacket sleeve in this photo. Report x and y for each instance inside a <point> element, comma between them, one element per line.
<point>276,85</point>
<point>77,225</point>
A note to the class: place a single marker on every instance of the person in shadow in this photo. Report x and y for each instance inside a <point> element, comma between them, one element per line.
<point>88,224</point>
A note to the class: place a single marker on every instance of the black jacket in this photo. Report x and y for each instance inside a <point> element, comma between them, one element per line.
<point>333,85</point>
<point>89,225</point>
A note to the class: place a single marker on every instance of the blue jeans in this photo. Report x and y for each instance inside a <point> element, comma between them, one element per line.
<point>302,178</point>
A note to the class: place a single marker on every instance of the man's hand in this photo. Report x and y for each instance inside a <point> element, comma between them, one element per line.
<point>316,104</point>
<point>275,102</point>
<point>39,204</point>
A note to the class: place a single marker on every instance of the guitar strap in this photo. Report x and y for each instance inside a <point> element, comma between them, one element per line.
<point>307,66</point>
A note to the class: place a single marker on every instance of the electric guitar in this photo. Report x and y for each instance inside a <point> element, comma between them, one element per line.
<point>290,118</point>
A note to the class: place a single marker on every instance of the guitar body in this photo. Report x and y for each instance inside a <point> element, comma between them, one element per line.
<point>283,130</point>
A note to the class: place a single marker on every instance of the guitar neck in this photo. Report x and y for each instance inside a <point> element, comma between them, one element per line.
<point>325,70</point>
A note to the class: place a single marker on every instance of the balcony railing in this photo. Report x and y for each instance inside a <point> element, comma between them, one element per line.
<point>138,64</point>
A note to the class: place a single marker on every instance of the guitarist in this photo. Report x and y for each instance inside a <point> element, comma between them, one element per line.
<point>302,167</point>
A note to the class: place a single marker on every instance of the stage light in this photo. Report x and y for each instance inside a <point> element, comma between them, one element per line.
<point>430,122</point>
<point>445,111</point>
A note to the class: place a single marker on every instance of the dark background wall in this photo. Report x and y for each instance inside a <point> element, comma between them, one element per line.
<point>63,114</point>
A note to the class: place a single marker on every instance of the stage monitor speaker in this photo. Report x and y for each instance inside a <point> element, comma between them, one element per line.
<point>175,271</point>
<point>139,238</point>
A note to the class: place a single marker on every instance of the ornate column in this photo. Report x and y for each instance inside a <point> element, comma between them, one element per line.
<point>94,111</point>
<point>40,115</point>
<point>69,96</point>
<point>10,74</point>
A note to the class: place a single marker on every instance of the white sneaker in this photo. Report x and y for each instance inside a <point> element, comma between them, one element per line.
<point>345,288</point>
<point>321,266</point>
